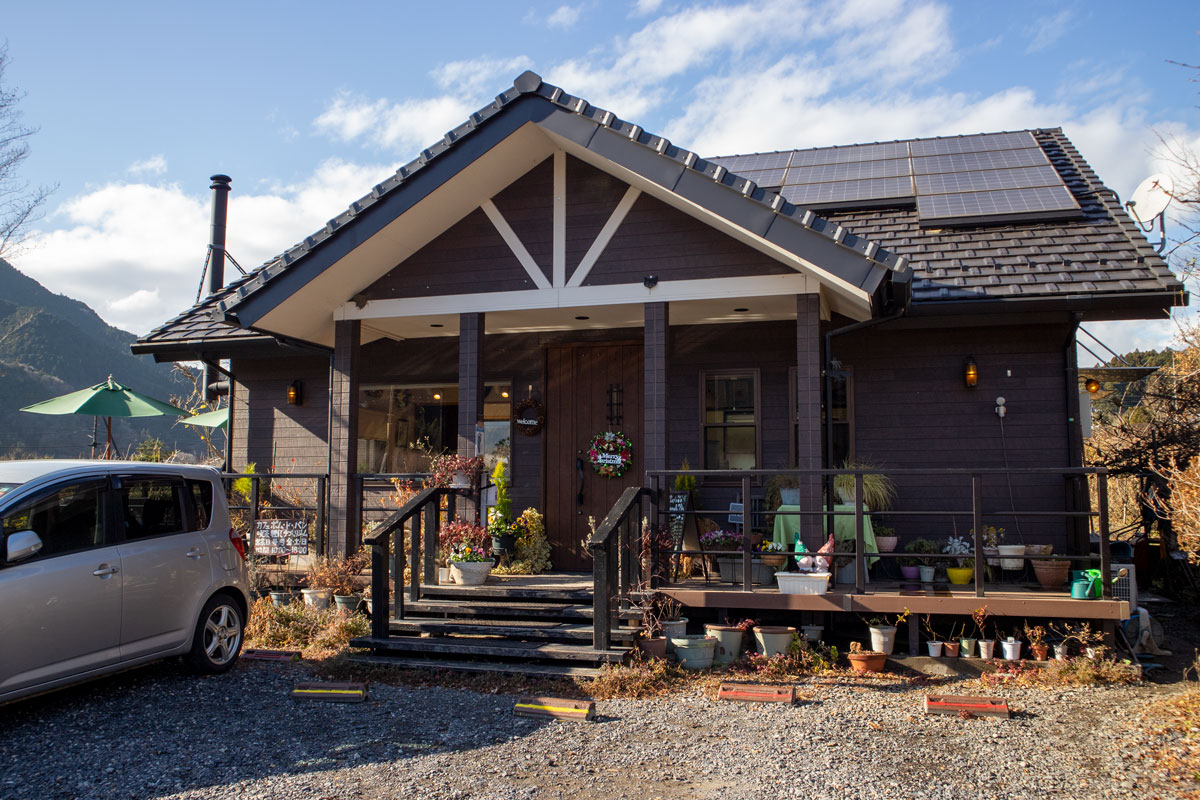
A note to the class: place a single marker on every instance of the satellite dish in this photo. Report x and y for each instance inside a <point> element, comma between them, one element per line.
<point>1150,199</point>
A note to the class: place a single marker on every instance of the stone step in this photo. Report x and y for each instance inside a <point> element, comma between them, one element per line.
<point>491,649</point>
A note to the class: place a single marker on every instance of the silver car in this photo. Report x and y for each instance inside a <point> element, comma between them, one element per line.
<point>106,565</point>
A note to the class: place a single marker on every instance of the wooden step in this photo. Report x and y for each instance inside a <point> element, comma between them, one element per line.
<point>512,629</point>
<point>510,593</point>
<point>501,610</point>
<point>491,648</point>
<point>508,667</point>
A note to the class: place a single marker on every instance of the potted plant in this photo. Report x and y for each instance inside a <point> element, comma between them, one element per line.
<point>925,566</point>
<point>883,631</point>
<point>504,538</point>
<point>986,646</point>
<point>672,624</point>
<point>878,489</point>
<point>469,559</point>
<point>773,640</point>
<point>1051,573</point>
<point>782,490</point>
<point>964,567</point>
<point>773,554</point>
<point>1037,641</point>
<point>654,606</point>
<point>886,538</point>
<point>1011,647</point>
<point>341,577</point>
<point>721,543</point>
<point>317,592</point>
<point>934,644</point>
<point>865,660</point>
<point>694,651</point>
<point>950,647</point>
<point>729,640</point>
<point>992,537</point>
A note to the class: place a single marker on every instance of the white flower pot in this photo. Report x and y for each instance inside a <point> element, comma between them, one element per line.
<point>927,574</point>
<point>444,575</point>
<point>470,573</point>
<point>1012,649</point>
<point>1012,550</point>
<point>883,638</point>
<point>802,582</point>
<point>987,648</point>
<point>935,649</point>
<point>317,598</point>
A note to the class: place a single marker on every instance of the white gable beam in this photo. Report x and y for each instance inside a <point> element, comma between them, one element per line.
<point>514,243</point>
<point>604,237</point>
<point>560,218</point>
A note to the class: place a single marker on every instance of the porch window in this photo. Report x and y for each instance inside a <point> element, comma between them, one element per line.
<point>842,380</point>
<point>730,424</point>
<point>399,425</point>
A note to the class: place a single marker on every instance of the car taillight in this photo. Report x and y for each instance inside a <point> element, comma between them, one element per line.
<point>239,544</point>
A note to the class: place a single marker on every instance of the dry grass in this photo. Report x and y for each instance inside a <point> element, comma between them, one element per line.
<point>1078,671</point>
<point>315,633</point>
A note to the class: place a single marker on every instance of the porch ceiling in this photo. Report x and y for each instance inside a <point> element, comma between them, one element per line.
<point>602,317</point>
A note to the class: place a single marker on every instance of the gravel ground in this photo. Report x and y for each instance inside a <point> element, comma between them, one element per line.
<point>160,732</point>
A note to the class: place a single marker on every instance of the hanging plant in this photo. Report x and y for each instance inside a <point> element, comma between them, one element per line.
<point>529,417</point>
<point>610,453</point>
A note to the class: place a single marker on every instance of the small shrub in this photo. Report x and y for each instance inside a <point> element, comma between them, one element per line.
<point>338,574</point>
<point>317,633</point>
<point>639,679</point>
<point>1078,671</point>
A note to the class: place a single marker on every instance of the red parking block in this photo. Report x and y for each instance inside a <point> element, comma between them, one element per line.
<point>965,705</point>
<point>756,693</point>
<point>270,655</point>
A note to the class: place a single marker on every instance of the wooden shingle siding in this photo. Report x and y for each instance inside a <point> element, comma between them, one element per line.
<point>655,239</point>
<point>469,257</point>
<point>592,195</point>
<point>269,432</point>
<point>527,206</point>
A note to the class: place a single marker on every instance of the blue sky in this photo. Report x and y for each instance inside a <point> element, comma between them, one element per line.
<point>306,105</point>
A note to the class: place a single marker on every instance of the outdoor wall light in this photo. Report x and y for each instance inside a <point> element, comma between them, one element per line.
<point>1092,385</point>
<point>970,372</point>
<point>295,393</point>
<point>650,281</point>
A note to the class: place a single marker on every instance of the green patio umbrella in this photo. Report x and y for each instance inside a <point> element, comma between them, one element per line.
<point>217,420</point>
<point>109,399</point>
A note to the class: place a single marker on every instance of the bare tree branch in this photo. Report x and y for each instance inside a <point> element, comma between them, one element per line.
<point>20,204</point>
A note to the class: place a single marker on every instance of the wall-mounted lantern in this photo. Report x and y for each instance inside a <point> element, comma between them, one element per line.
<point>970,372</point>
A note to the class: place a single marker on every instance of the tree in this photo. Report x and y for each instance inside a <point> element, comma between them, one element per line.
<point>19,202</point>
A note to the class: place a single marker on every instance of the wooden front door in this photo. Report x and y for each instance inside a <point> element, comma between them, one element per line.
<point>589,389</point>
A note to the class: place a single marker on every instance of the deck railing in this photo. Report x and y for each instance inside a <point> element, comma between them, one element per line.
<point>616,563</point>
<point>745,480</point>
<point>312,500</point>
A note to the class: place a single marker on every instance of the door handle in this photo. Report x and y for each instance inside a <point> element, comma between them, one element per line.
<point>104,570</point>
<point>195,552</point>
<point>579,469</point>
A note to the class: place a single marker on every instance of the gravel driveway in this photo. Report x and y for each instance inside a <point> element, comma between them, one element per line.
<point>160,732</point>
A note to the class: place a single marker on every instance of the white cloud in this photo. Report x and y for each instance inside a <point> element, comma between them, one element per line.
<point>155,165</point>
<point>134,252</point>
<point>643,7</point>
<point>1045,31</point>
<point>564,17</point>
<point>480,76</point>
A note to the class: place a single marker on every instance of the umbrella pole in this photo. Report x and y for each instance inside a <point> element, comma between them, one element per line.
<point>95,423</point>
<point>108,434</point>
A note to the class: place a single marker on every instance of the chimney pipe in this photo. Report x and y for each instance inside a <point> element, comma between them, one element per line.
<point>220,210</point>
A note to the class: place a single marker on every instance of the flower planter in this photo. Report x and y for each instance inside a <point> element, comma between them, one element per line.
<point>1051,574</point>
<point>867,662</point>
<point>802,582</point>
<point>990,553</point>
<point>1040,651</point>
<point>729,643</point>
<point>789,497</point>
<point>1061,652</point>
<point>775,561</point>
<point>968,647</point>
<point>504,543</point>
<point>886,544</point>
<point>347,602</point>
<point>316,598</point>
<point>935,649</point>
<point>773,640</point>
<point>654,647</point>
<point>883,638</point>
<point>674,628</point>
<point>471,573</point>
<point>987,648</point>
<point>1039,549</point>
<point>910,573</point>
<point>1012,550</point>
<point>1012,649</point>
<point>960,576</point>
<point>694,652</point>
<point>950,649</point>
<point>926,574</point>
<point>731,570</point>
<point>282,598</point>
<point>813,632</point>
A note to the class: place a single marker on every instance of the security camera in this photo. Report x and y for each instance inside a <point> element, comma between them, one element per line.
<point>1000,407</point>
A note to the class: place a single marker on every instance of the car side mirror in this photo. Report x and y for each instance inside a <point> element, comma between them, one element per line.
<point>21,545</point>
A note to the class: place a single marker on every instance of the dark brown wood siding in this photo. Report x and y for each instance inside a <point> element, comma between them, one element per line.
<point>272,434</point>
<point>527,205</point>
<point>655,239</point>
<point>592,196</point>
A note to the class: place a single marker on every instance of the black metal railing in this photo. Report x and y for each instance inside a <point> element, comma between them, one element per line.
<point>254,507</point>
<point>422,515</point>
<point>975,509</point>
<point>616,563</point>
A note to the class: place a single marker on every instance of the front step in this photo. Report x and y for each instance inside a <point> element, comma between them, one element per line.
<point>509,593</point>
<point>512,629</point>
<point>538,670</point>
<point>492,649</point>
<point>500,610</point>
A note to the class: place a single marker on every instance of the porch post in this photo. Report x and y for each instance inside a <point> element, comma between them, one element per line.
<point>654,406</point>
<point>470,386</point>
<point>344,527</point>
<point>808,410</point>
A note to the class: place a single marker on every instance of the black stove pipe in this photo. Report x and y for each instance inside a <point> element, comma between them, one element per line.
<point>216,264</point>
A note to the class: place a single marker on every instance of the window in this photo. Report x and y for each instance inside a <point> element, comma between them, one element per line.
<point>730,420</point>
<point>398,424</point>
<point>151,507</point>
<point>842,383</point>
<point>202,501</point>
<point>68,519</point>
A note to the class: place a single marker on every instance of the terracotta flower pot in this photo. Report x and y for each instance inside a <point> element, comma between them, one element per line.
<point>886,544</point>
<point>950,649</point>
<point>1051,574</point>
<point>655,647</point>
<point>1040,651</point>
<point>867,662</point>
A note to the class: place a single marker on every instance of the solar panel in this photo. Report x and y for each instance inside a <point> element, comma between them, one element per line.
<point>1022,178</point>
<point>998,203</point>
<point>857,170</point>
<point>740,165</point>
<point>764,177</point>
<point>971,162</point>
<point>848,191</point>
<point>849,153</point>
<point>980,143</point>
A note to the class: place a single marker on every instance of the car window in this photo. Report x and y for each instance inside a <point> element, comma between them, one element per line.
<point>5,488</point>
<point>151,507</point>
<point>67,519</point>
<point>202,501</point>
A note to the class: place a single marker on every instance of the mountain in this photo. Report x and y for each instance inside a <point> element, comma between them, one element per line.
<point>51,345</point>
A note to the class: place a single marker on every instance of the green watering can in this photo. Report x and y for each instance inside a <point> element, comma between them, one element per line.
<point>1088,587</point>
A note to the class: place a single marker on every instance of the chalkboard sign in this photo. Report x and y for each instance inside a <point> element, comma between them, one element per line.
<point>281,537</point>
<point>677,504</point>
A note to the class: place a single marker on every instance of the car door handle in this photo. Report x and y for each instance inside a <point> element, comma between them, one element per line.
<point>195,552</point>
<point>104,570</point>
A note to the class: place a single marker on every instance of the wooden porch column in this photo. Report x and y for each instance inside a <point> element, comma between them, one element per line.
<point>344,526</point>
<point>808,410</point>
<point>654,385</point>
<point>470,387</point>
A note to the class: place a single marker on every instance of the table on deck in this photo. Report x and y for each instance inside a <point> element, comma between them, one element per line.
<point>787,525</point>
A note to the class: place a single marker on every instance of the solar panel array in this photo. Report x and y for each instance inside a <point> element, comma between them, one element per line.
<point>958,180</point>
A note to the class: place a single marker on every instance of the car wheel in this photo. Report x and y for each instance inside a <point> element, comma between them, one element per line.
<point>218,636</point>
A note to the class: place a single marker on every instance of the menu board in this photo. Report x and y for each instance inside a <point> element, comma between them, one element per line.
<point>281,537</point>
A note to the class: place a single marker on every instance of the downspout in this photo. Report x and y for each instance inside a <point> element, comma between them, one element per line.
<point>825,367</point>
